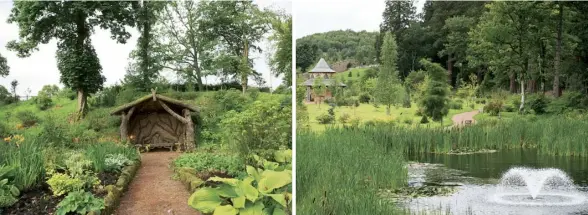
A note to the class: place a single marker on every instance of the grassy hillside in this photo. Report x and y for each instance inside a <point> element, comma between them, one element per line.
<point>356,74</point>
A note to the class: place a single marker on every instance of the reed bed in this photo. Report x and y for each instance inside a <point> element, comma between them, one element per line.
<point>339,172</point>
<point>553,136</point>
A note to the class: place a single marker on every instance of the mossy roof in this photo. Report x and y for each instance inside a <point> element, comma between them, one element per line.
<point>126,107</point>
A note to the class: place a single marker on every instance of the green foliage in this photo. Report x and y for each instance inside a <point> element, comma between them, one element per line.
<point>27,118</point>
<point>337,46</point>
<point>493,108</point>
<point>212,162</point>
<point>61,184</point>
<point>115,162</point>
<point>80,202</point>
<point>344,118</point>
<point>43,101</point>
<point>424,120</point>
<point>106,97</point>
<point>538,104</point>
<point>8,193</point>
<point>262,125</point>
<point>27,159</point>
<point>567,102</point>
<point>325,118</point>
<point>100,120</point>
<point>100,152</point>
<point>364,98</point>
<point>262,191</point>
<point>435,99</point>
<point>5,96</point>
<point>281,61</point>
<point>456,104</point>
<point>342,182</point>
<point>388,90</point>
<point>4,68</point>
<point>5,131</point>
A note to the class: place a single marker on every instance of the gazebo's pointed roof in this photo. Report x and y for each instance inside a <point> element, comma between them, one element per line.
<point>322,66</point>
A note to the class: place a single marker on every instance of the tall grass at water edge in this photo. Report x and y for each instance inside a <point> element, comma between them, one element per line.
<point>553,136</point>
<point>340,171</point>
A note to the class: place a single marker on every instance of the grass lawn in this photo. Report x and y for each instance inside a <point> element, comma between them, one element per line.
<point>367,112</point>
<point>356,74</point>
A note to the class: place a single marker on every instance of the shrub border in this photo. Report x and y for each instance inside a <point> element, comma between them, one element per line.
<point>115,192</point>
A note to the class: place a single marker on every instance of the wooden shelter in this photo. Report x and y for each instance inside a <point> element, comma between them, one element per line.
<point>157,121</point>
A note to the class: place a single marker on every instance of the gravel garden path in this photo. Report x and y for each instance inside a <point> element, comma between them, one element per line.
<point>153,191</point>
<point>461,118</point>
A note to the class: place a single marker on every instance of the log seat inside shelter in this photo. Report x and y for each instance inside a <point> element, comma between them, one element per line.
<point>156,121</point>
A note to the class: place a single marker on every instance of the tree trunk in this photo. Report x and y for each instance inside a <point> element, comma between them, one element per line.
<point>82,103</point>
<point>512,88</point>
<point>556,91</point>
<point>449,69</point>
<point>245,73</point>
<point>124,127</point>
<point>189,141</point>
<point>522,94</point>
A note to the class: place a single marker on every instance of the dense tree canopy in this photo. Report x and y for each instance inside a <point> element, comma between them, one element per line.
<point>4,68</point>
<point>337,46</point>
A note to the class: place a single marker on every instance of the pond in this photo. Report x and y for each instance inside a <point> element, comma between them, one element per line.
<point>504,182</point>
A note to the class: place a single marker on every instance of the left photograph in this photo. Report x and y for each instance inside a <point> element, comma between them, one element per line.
<point>146,107</point>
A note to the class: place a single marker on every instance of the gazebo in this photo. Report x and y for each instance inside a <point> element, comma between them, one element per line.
<point>157,121</point>
<point>321,70</point>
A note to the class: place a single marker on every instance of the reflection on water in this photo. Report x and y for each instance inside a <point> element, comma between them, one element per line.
<point>478,175</point>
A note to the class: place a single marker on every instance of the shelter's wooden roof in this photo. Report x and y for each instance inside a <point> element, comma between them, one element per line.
<point>126,107</point>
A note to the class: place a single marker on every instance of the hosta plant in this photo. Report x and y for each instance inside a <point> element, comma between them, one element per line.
<point>80,202</point>
<point>8,193</point>
<point>115,162</point>
<point>261,192</point>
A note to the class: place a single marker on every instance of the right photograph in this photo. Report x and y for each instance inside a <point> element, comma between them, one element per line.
<point>441,107</point>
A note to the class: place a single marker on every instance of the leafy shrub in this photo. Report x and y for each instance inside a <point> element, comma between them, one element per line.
<point>407,121</point>
<point>80,203</point>
<point>100,120</point>
<point>54,131</point>
<point>106,97</point>
<point>61,184</point>
<point>8,193</point>
<point>262,125</point>
<point>207,162</point>
<point>538,104</point>
<point>456,105</point>
<point>43,101</point>
<point>424,120</point>
<point>493,107</point>
<point>355,122</point>
<point>115,162</point>
<point>567,102</point>
<point>325,119</point>
<point>127,95</point>
<point>231,100</point>
<point>27,118</point>
<point>364,98</point>
<point>67,93</point>
<point>508,108</point>
<point>344,118</point>
<point>419,112</point>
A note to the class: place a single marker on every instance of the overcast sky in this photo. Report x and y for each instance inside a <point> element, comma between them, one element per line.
<point>41,67</point>
<point>326,15</point>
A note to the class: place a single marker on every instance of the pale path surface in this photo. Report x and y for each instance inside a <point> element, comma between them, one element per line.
<point>459,119</point>
<point>153,191</point>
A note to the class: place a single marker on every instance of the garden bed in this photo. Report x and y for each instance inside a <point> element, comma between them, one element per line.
<point>42,201</point>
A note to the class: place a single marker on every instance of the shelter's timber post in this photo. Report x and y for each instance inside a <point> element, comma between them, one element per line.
<point>124,124</point>
<point>189,141</point>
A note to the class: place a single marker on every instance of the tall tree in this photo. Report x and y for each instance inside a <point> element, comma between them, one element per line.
<point>71,23</point>
<point>4,68</point>
<point>13,86</point>
<point>557,62</point>
<point>306,55</point>
<point>281,61</point>
<point>388,90</point>
<point>397,16</point>
<point>510,31</point>
<point>456,42</point>
<point>436,96</point>
<point>147,13</point>
<point>180,37</point>
<point>239,26</point>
